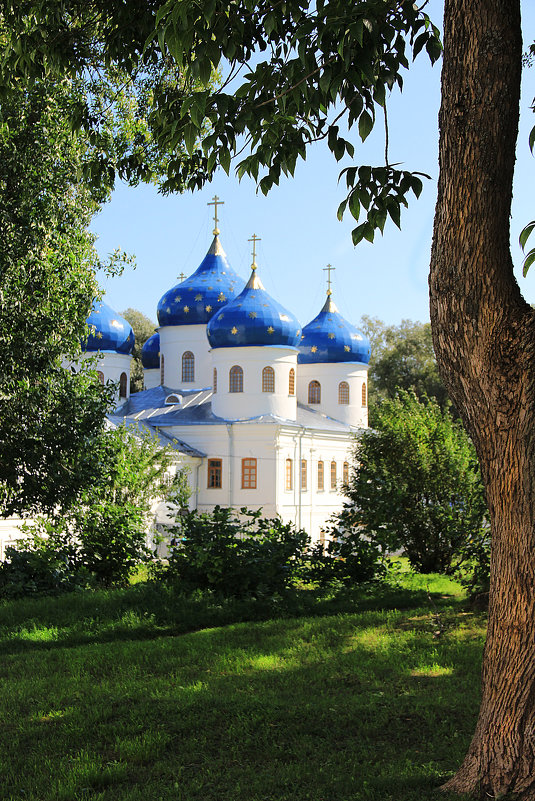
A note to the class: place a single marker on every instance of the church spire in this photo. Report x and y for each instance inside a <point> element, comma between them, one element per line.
<point>254,281</point>
<point>216,249</point>
<point>329,303</point>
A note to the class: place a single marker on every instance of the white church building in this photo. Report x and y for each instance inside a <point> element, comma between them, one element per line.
<point>262,411</point>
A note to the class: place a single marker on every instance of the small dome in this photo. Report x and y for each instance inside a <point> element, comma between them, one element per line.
<point>253,318</point>
<point>108,331</point>
<point>200,296</point>
<point>150,352</point>
<point>330,338</point>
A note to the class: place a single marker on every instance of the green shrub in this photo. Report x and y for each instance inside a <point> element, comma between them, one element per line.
<point>41,571</point>
<point>236,555</point>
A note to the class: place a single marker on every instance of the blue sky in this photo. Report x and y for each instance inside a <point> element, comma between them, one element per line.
<point>297,222</point>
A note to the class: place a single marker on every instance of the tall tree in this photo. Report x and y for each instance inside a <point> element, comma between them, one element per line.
<point>332,59</point>
<point>143,329</point>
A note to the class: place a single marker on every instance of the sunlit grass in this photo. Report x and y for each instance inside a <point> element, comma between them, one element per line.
<point>145,695</point>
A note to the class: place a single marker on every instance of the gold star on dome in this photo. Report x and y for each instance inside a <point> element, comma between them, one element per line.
<point>186,309</point>
<point>213,272</point>
<point>331,336</point>
<point>198,297</point>
<point>190,289</point>
<point>177,298</point>
<point>233,330</point>
<point>168,309</point>
<point>99,335</point>
<point>347,348</point>
<point>270,330</point>
<point>221,298</point>
<point>302,336</point>
<point>210,287</point>
<point>313,349</point>
<point>284,317</point>
<point>220,316</point>
<point>265,305</point>
<point>218,280</point>
<point>252,315</point>
<point>208,308</point>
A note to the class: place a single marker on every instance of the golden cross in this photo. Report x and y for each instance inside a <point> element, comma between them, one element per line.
<point>215,202</point>
<point>254,239</point>
<point>182,276</point>
<point>329,270</point>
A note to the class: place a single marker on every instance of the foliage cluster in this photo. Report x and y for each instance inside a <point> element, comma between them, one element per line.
<point>416,486</point>
<point>143,329</point>
<point>100,538</point>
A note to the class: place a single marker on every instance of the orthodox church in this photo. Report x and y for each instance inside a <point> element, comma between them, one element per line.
<point>261,411</point>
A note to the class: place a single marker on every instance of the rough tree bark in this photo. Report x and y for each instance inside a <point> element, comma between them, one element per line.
<point>484,336</point>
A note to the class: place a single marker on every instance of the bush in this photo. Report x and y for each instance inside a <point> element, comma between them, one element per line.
<point>416,486</point>
<point>348,558</point>
<point>41,571</point>
<point>236,555</point>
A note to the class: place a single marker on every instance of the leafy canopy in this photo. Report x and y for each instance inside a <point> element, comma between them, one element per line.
<point>331,64</point>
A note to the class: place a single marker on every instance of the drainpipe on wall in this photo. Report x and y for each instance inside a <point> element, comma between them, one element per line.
<point>231,462</point>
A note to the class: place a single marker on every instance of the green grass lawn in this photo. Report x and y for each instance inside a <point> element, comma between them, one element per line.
<point>143,694</point>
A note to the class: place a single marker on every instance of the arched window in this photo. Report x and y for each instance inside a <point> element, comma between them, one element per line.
<point>268,379</point>
<point>364,393</point>
<point>314,392</point>
<point>100,376</point>
<point>333,475</point>
<point>289,474</point>
<point>235,379</point>
<point>215,380</point>
<point>343,392</point>
<point>162,370</point>
<point>188,367</point>
<point>321,484</point>
<point>123,381</point>
<point>291,382</point>
<point>345,473</point>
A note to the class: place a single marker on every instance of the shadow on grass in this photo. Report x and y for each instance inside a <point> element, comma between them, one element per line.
<point>345,708</point>
<point>151,610</point>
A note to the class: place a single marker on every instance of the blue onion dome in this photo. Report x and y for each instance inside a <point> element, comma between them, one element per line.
<point>330,338</point>
<point>108,331</point>
<point>253,318</point>
<point>200,296</point>
<point>150,352</point>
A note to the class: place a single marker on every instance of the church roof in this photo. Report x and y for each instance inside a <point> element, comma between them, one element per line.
<point>253,318</point>
<point>195,300</point>
<point>331,338</point>
<point>108,331</point>
<point>150,352</point>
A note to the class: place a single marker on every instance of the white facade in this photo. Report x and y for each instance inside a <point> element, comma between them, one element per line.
<point>343,391</point>
<point>180,346</point>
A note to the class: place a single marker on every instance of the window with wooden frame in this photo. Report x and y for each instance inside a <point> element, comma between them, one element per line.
<point>215,473</point>
<point>314,392</point>
<point>162,370</point>
<point>303,474</point>
<point>235,379</point>
<point>364,394</point>
<point>215,380</point>
<point>343,393</point>
<point>321,477</point>
<point>333,475</point>
<point>289,474</point>
<point>123,382</point>
<point>188,367</point>
<point>248,473</point>
<point>268,379</point>
<point>291,382</point>
<point>345,473</point>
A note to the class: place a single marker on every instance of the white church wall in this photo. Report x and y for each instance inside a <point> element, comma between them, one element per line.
<point>253,401</point>
<point>175,340</point>
<point>330,376</point>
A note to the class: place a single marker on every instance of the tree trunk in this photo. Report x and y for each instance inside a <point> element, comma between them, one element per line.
<point>484,336</point>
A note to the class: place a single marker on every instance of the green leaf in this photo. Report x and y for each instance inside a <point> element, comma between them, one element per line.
<point>341,209</point>
<point>394,211</point>
<point>224,159</point>
<point>357,234</point>
<point>532,139</point>
<point>354,205</point>
<point>528,261</point>
<point>190,135</point>
<point>365,125</point>
<point>526,233</point>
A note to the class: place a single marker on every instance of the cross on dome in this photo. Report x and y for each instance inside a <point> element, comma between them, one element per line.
<point>329,269</point>
<point>254,239</point>
<point>182,277</point>
<point>215,202</point>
